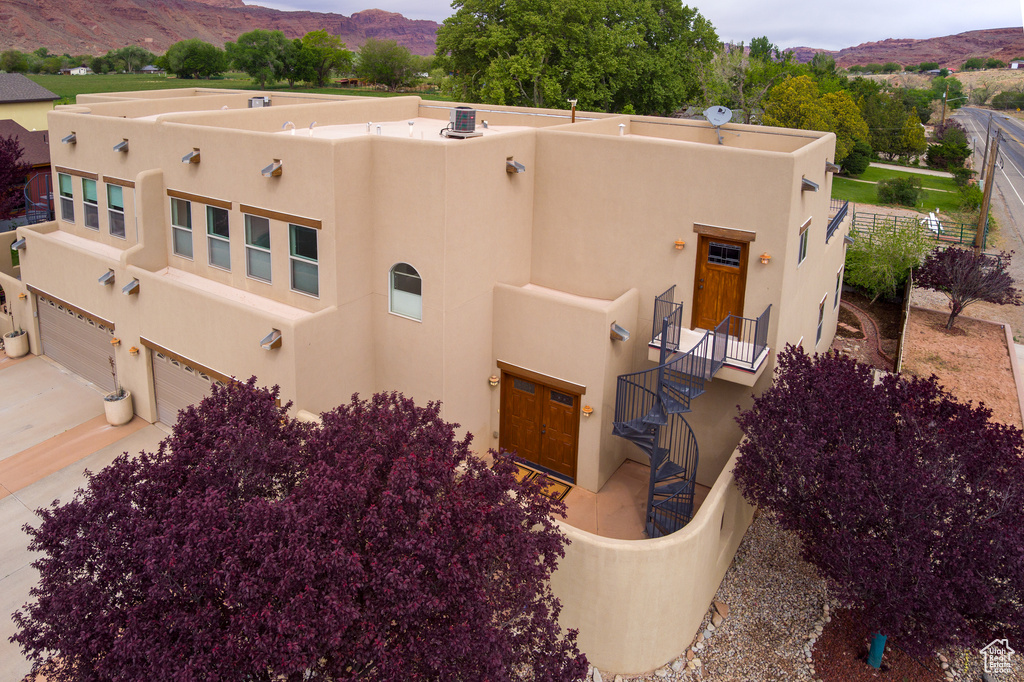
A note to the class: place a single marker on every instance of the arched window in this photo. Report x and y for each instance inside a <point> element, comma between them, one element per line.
<point>406,292</point>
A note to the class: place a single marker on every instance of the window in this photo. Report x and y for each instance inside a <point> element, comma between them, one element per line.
<point>67,197</point>
<point>821,319</point>
<point>181,223</point>
<point>839,285</point>
<point>803,243</point>
<point>303,251</point>
<point>90,204</point>
<point>115,210</point>
<point>406,291</point>
<point>257,247</point>
<point>218,237</point>
<point>724,254</point>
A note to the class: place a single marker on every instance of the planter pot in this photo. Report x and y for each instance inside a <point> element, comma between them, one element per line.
<point>118,410</point>
<point>15,344</point>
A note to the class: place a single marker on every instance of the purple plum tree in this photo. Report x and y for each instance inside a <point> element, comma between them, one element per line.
<point>12,176</point>
<point>909,502</point>
<point>373,546</point>
<point>965,277</point>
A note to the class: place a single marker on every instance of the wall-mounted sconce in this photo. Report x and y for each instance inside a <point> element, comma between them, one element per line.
<point>273,170</point>
<point>133,351</point>
<point>22,296</point>
<point>512,166</point>
<point>831,167</point>
<point>107,278</point>
<point>69,139</point>
<point>848,239</point>
<point>587,411</point>
<point>619,333</point>
<point>808,186</point>
<point>121,146</point>
<point>271,341</point>
<point>493,380</point>
<point>115,341</point>
<point>131,288</point>
<point>680,244</point>
<point>765,258</point>
<point>18,245</point>
<point>191,157</point>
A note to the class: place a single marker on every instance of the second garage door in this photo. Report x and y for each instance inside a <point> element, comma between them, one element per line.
<point>77,340</point>
<point>178,384</point>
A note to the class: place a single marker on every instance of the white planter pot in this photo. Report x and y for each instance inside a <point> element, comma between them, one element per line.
<point>118,410</point>
<point>16,345</point>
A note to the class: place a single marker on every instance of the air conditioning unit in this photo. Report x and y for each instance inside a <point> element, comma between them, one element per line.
<point>257,102</point>
<point>463,119</point>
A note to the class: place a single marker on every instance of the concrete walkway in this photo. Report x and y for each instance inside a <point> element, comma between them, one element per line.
<point>52,430</point>
<point>912,169</point>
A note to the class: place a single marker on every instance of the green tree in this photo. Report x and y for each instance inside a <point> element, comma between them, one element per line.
<point>325,55</point>
<point>895,131</point>
<point>13,61</point>
<point>606,54</point>
<point>927,66</point>
<point>100,65</point>
<point>741,80</point>
<point>130,59</point>
<point>763,49</point>
<point>859,158</point>
<point>901,191</point>
<point>194,58</point>
<point>993,63</point>
<point>880,261</point>
<point>891,67</point>
<point>385,62</point>
<point>796,103</point>
<point>873,67</point>
<point>950,88</point>
<point>259,54</point>
<point>920,101</point>
<point>974,63</point>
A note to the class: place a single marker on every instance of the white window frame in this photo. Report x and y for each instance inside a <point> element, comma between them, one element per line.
<point>821,320</point>
<point>295,259</point>
<point>805,230</point>
<point>181,229</point>
<point>214,240</point>
<point>115,214</point>
<point>252,248</point>
<point>839,286</point>
<point>94,205</point>
<point>67,201</point>
<point>405,296</point>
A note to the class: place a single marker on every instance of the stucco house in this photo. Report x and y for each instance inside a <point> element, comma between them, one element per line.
<point>24,101</point>
<point>582,288</point>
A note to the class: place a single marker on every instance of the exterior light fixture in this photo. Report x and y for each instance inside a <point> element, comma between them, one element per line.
<point>191,157</point>
<point>273,170</point>
<point>18,245</point>
<point>131,288</point>
<point>69,139</point>
<point>512,166</point>
<point>121,146</point>
<point>271,341</point>
<point>587,411</point>
<point>493,380</point>
<point>115,341</point>
<point>619,333</point>
<point>107,278</point>
<point>133,351</point>
<point>765,258</point>
<point>680,244</point>
<point>22,296</point>
<point>808,186</point>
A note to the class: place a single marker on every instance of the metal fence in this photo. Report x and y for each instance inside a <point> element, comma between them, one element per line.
<point>943,231</point>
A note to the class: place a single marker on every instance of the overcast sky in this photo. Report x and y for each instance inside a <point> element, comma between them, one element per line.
<point>828,24</point>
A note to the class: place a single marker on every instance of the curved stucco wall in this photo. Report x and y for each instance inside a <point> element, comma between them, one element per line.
<point>638,603</point>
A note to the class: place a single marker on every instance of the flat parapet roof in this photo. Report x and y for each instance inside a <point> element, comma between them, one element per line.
<point>418,128</point>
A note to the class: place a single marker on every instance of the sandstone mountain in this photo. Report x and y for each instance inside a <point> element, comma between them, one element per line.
<point>97,26</point>
<point>949,51</point>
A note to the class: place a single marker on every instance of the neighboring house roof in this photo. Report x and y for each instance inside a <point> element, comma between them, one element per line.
<point>151,69</point>
<point>35,143</point>
<point>15,87</point>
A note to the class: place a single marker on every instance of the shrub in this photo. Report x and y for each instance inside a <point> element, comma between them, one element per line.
<point>971,197</point>
<point>880,261</point>
<point>902,191</point>
<point>857,160</point>
<point>1008,100</point>
<point>962,176</point>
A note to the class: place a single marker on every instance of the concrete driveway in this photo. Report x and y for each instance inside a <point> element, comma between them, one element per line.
<point>52,429</point>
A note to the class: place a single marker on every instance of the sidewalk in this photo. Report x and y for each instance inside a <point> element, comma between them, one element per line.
<point>911,169</point>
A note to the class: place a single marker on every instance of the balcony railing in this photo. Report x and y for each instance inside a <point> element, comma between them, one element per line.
<point>743,339</point>
<point>665,308</point>
<point>838,210</point>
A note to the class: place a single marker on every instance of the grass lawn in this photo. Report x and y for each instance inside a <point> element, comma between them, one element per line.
<point>946,201</point>
<point>69,87</point>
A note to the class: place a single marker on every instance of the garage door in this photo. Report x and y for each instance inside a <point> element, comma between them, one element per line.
<point>178,384</point>
<point>77,340</point>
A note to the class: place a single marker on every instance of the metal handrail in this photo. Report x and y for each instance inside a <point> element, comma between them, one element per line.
<point>665,306</point>
<point>749,341</point>
<point>836,220</point>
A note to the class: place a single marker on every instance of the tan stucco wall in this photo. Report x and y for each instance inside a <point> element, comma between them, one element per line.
<point>31,115</point>
<point>638,604</point>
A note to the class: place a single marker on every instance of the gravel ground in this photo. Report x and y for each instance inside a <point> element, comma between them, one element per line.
<point>776,607</point>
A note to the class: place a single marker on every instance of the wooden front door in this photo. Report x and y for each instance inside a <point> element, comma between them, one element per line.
<point>540,424</point>
<point>720,281</point>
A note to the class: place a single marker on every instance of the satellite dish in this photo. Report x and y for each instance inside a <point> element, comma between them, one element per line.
<point>718,116</point>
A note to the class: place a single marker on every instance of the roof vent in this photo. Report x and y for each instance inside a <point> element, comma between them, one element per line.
<point>258,102</point>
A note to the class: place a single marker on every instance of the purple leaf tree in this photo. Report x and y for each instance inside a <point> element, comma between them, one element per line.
<point>12,176</point>
<point>253,547</point>
<point>910,503</point>
<point>965,277</point>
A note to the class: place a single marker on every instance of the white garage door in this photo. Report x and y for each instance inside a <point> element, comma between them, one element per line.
<point>178,384</point>
<point>77,340</point>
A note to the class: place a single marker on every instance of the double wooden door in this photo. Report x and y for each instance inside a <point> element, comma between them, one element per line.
<point>721,279</point>
<point>540,424</point>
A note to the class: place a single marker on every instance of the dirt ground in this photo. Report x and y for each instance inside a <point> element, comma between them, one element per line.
<point>972,360</point>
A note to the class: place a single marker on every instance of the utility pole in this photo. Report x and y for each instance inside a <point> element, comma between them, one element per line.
<point>988,136</point>
<point>983,216</point>
<point>944,95</point>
